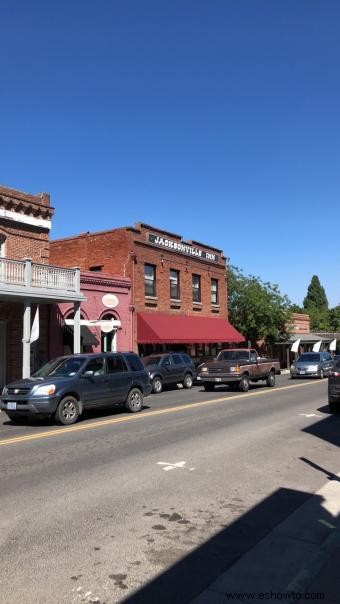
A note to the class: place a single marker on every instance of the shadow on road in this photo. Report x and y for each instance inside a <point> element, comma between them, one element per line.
<point>327,428</point>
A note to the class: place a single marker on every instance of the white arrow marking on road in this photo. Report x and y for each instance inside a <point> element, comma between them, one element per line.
<point>310,415</point>
<point>173,466</point>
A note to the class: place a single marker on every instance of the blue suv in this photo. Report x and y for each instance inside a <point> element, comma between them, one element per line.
<point>66,386</point>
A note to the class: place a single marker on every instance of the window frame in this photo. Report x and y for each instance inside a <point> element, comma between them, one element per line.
<point>177,284</point>
<point>197,290</point>
<point>214,292</point>
<point>148,280</point>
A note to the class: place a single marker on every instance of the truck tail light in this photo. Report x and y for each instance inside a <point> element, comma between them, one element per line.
<point>334,373</point>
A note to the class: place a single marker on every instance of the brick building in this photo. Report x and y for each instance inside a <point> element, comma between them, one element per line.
<point>27,281</point>
<point>105,316</point>
<point>178,293</point>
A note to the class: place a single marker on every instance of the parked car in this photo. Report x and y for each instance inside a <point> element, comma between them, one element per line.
<point>334,388</point>
<point>68,385</point>
<point>170,368</point>
<point>237,367</point>
<point>312,364</point>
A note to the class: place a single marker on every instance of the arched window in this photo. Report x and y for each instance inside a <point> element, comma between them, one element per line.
<point>109,340</point>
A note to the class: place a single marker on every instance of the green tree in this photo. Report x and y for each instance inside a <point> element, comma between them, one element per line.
<point>256,308</point>
<point>316,305</point>
<point>334,318</point>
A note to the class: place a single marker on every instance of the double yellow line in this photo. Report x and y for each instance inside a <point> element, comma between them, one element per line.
<point>141,416</point>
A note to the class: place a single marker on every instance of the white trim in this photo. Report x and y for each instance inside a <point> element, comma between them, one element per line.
<point>41,222</point>
<point>95,323</point>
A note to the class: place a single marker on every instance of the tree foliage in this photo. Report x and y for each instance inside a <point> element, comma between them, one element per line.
<point>316,305</point>
<point>257,308</point>
<point>334,318</point>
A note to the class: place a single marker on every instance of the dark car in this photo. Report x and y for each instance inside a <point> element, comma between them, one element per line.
<point>170,368</point>
<point>66,386</point>
<point>334,388</point>
<point>312,364</point>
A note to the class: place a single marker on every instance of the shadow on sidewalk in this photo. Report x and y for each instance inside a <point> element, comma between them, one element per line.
<point>196,571</point>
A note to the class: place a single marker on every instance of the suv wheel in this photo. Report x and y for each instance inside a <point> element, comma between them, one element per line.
<point>157,385</point>
<point>188,381</point>
<point>243,384</point>
<point>134,401</point>
<point>67,411</point>
<point>321,375</point>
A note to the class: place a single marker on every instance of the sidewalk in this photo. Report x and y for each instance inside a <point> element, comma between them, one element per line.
<point>301,555</point>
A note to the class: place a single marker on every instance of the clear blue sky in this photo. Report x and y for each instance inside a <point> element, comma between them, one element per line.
<point>216,119</point>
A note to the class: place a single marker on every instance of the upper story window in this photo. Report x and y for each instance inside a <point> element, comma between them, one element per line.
<point>150,279</point>
<point>214,291</point>
<point>174,285</point>
<point>196,288</point>
<point>2,246</point>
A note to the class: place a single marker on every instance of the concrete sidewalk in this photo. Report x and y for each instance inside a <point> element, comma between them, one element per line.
<point>302,554</point>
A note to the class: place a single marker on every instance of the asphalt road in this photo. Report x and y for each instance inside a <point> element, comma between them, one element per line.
<point>100,512</point>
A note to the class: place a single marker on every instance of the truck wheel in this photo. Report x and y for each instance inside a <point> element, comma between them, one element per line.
<point>270,381</point>
<point>243,384</point>
<point>67,411</point>
<point>134,401</point>
<point>157,385</point>
<point>188,381</point>
<point>209,387</point>
<point>333,404</point>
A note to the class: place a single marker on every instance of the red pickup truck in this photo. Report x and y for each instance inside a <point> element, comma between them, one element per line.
<point>236,367</point>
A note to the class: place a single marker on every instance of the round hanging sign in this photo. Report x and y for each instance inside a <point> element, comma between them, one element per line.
<point>106,326</point>
<point>110,300</point>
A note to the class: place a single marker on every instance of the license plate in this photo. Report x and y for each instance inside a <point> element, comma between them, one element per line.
<point>218,379</point>
<point>198,377</point>
<point>302,372</point>
<point>11,406</point>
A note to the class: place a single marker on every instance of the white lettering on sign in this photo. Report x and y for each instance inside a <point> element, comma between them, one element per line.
<point>183,248</point>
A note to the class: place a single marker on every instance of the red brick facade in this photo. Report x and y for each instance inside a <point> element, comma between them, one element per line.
<point>20,215</point>
<point>95,287</point>
<point>125,251</point>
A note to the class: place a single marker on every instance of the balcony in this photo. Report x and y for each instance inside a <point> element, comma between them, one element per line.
<point>39,282</point>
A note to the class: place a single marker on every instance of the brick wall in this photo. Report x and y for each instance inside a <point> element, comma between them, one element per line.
<point>108,250</point>
<point>21,239</point>
<point>94,286</point>
<point>124,252</point>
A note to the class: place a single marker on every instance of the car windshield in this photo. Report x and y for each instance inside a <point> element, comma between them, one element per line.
<point>153,359</point>
<point>233,355</point>
<point>309,357</point>
<point>62,366</point>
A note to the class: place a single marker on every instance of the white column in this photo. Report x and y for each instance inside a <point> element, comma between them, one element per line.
<point>76,328</point>
<point>26,347</point>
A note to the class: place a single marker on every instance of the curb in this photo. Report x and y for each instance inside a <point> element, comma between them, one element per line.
<point>309,573</point>
<point>289,558</point>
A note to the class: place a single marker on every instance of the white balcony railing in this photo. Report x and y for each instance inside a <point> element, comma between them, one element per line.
<point>29,274</point>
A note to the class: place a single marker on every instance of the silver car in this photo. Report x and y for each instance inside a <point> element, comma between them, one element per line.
<point>312,364</point>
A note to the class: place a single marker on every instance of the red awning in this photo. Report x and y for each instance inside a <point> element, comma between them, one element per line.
<point>162,328</point>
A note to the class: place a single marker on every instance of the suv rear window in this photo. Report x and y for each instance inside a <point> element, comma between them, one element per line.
<point>135,362</point>
<point>186,358</point>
